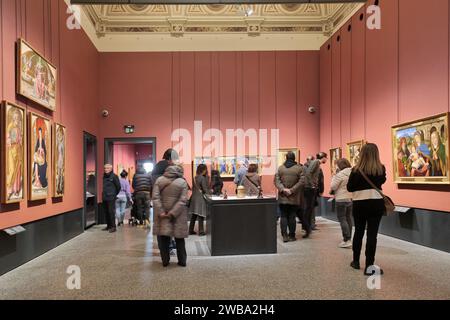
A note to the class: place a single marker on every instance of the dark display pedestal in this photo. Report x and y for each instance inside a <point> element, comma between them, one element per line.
<point>241,226</point>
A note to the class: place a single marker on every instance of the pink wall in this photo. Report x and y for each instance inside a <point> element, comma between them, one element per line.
<point>374,79</point>
<point>43,24</point>
<point>225,90</point>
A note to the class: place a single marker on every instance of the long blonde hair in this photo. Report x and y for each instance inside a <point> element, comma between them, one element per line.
<point>369,160</point>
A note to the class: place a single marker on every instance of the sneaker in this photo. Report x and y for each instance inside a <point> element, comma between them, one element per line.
<point>366,273</point>
<point>112,230</point>
<point>291,239</point>
<point>285,239</point>
<point>306,235</point>
<point>345,244</point>
<point>192,233</point>
<point>182,264</point>
<point>202,234</point>
<point>355,265</point>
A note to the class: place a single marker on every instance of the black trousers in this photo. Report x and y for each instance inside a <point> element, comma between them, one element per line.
<point>288,214</point>
<point>142,205</point>
<point>164,243</point>
<point>310,200</point>
<point>201,223</point>
<point>109,208</point>
<point>366,213</point>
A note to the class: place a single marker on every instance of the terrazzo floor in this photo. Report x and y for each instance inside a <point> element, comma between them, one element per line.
<point>126,265</point>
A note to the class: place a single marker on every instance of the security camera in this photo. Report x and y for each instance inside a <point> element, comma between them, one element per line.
<point>105,113</point>
<point>312,109</point>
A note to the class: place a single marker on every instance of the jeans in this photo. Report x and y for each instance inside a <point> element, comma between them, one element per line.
<point>344,214</point>
<point>310,199</point>
<point>201,225</point>
<point>121,205</point>
<point>366,213</point>
<point>164,243</point>
<point>288,214</point>
<point>142,205</point>
<point>109,208</point>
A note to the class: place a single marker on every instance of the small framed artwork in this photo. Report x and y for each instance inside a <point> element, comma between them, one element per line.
<point>13,152</point>
<point>227,166</point>
<point>39,156</point>
<point>335,155</point>
<point>59,160</point>
<point>200,160</point>
<point>281,155</point>
<point>420,151</point>
<point>354,150</point>
<point>36,76</point>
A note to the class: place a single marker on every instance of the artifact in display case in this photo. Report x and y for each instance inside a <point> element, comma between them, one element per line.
<point>420,151</point>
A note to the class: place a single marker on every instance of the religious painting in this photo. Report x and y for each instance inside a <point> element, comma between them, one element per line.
<point>59,160</point>
<point>354,150</point>
<point>40,152</point>
<point>13,163</point>
<point>281,155</point>
<point>227,166</point>
<point>200,160</point>
<point>421,151</point>
<point>36,76</point>
<point>335,155</point>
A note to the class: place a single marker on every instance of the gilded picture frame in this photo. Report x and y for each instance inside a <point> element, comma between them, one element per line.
<point>13,152</point>
<point>281,155</point>
<point>335,155</point>
<point>59,160</point>
<point>353,150</point>
<point>420,151</point>
<point>39,156</point>
<point>36,77</point>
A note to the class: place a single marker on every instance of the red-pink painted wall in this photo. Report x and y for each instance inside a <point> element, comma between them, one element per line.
<point>226,90</point>
<point>374,79</point>
<point>43,24</point>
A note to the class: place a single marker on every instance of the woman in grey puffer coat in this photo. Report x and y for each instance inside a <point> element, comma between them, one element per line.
<point>170,213</point>
<point>198,204</point>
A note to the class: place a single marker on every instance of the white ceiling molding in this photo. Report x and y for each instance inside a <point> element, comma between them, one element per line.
<point>128,28</point>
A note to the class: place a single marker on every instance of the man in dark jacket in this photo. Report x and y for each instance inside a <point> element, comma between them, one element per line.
<point>142,186</point>
<point>322,157</point>
<point>111,188</point>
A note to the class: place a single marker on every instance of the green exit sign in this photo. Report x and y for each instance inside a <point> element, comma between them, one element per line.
<point>128,129</point>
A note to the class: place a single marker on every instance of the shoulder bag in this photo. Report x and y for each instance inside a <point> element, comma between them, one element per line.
<point>388,203</point>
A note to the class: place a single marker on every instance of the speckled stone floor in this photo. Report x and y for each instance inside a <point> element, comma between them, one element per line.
<point>126,265</point>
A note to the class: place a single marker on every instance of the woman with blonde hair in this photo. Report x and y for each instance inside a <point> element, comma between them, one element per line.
<point>368,204</point>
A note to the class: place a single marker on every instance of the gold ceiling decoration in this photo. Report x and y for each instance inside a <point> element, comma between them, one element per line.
<point>178,20</point>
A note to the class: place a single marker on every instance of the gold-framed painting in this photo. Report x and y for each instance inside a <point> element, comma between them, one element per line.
<point>354,150</point>
<point>201,160</point>
<point>13,152</point>
<point>36,76</point>
<point>59,160</point>
<point>227,166</point>
<point>335,155</point>
<point>281,155</point>
<point>40,150</point>
<point>420,151</point>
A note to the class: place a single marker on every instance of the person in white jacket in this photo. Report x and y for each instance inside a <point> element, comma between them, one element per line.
<point>343,201</point>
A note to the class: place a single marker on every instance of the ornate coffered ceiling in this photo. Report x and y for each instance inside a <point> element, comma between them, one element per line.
<point>213,27</point>
<point>178,20</point>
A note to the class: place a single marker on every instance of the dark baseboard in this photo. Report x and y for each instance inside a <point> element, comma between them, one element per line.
<point>424,227</point>
<point>40,236</point>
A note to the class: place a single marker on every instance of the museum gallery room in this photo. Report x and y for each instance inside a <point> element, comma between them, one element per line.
<point>217,150</point>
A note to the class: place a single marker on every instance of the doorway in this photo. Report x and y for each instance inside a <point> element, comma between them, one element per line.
<point>90,210</point>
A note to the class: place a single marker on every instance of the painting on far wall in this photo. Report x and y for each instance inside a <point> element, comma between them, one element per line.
<point>354,150</point>
<point>13,142</point>
<point>36,76</point>
<point>227,166</point>
<point>335,155</point>
<point>421,151</point>
<point>59,161</point>
<point>40,153</point>
<point>281,155</point>
<point>201,160</point>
